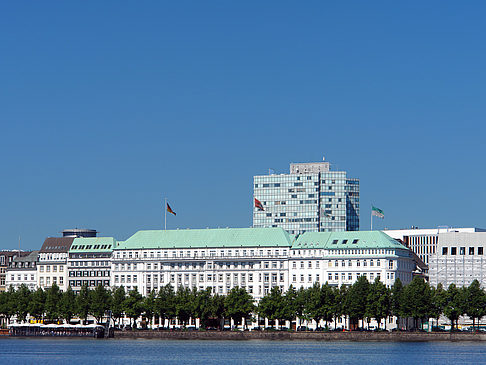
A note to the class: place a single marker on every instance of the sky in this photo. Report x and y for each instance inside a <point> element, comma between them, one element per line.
<point>106,108</point>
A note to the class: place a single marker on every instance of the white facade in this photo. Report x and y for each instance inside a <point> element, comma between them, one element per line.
<point>52,269</point>
<point>257,269</point>
<point>89,262</point>
<point>459,259</point>
<point>23,270</point>
<point>424,241</point>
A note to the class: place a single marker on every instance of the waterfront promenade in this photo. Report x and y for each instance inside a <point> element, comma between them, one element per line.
<point>300,336</point>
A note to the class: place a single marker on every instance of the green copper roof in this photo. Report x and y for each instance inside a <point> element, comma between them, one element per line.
<point>345,240</point>
<point>93,244</point>
<point>202,238</point>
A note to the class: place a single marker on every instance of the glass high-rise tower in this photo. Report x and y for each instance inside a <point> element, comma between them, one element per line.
<point>312,198</point>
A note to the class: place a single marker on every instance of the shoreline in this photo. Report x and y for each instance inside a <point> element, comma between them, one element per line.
<point>303,336</point>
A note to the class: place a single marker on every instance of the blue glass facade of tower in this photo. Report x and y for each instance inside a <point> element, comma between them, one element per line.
<point>312,198</point>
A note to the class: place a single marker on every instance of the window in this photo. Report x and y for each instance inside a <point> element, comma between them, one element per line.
<point>294,278</point>
<point>480,250</point>
<point>444,250</point>
<point>453,250</point>
<point>354,241</point>
<point>345,241</point>
<point>462,250</point>
<point>471,250</point>
<point>334,242</point>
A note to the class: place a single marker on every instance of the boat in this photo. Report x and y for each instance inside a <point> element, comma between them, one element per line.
<point>56,330</point>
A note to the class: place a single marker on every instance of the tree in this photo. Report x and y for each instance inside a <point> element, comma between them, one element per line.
<point>204,306</point>
<point>184,304</point>
<point>396,299</point>
<point>439,299</point>
<point>133,306</point>
<point>475,302</point>
<point>83,303</point>
<point>217,308</point>
<point>117,303</point>
<point>453,306</point>
<point>356,300</point>
<point>67,305</point>
<point>417,300</point>
<point>53,297</point>
<point>7,308</point>
<point>378,302</point>
<point>21,299</point>
<point>165,302</point>
<point>239,305</point>
<point>99,302</point>
<point>291,305</point>
<point>336,298</point>
<point>271,306</point>
<point>37,304</point>
<point>149,306</point>
<point>314,305</point>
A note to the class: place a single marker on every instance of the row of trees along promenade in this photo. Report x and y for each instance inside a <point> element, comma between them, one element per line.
<point>361,301</point>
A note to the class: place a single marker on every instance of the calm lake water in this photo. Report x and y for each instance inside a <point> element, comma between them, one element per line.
<point>122,351</point>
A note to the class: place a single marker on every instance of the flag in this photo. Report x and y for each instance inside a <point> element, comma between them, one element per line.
<point>169,209</point>
<point>377,212</point>
<point>258,204</point>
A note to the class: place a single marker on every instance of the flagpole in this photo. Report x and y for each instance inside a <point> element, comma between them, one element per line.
<point>165,215</point>
<point>371,226</point>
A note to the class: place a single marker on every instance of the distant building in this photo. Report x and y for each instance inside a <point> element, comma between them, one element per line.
<point>424,241</point>
<point>51,268</point>
<point>23,270</point>
<point>89,262</point>
<point>312,198</point>
<point>6,258</point>
<point>459,259</point>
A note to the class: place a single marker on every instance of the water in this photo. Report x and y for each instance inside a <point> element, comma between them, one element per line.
<point>141,351</point>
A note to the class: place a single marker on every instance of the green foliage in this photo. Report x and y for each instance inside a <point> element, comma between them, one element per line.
<point>133,305</point>
<point>453,308</point>
<point>118,297</point>
<point>378,304</point>
<point>37,303</point>
<point>204,306</point>
<point>184,308</point>
<point>53,298</point>
<point>99,302</point>
<point>21,300</point>
<point>474,302</point>
<point>67,306</point>
<point>417,299</point>
<point>83,303</point>
<point>356,299</point>
<point>165,302</point>
<point>239,304</point>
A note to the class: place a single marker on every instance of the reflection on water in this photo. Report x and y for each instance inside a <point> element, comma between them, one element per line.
<point>116,351</point>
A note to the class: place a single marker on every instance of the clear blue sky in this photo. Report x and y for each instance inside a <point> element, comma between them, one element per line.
<point>108,107</point>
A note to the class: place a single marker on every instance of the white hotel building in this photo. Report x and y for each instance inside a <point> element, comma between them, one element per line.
<point>257,259</point>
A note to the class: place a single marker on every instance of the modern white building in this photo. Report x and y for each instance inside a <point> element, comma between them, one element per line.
<point>459,259</point>
<point>23,270</point>
<point>89,262</point>
<point>312,198</point>
<point>424,241</point>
